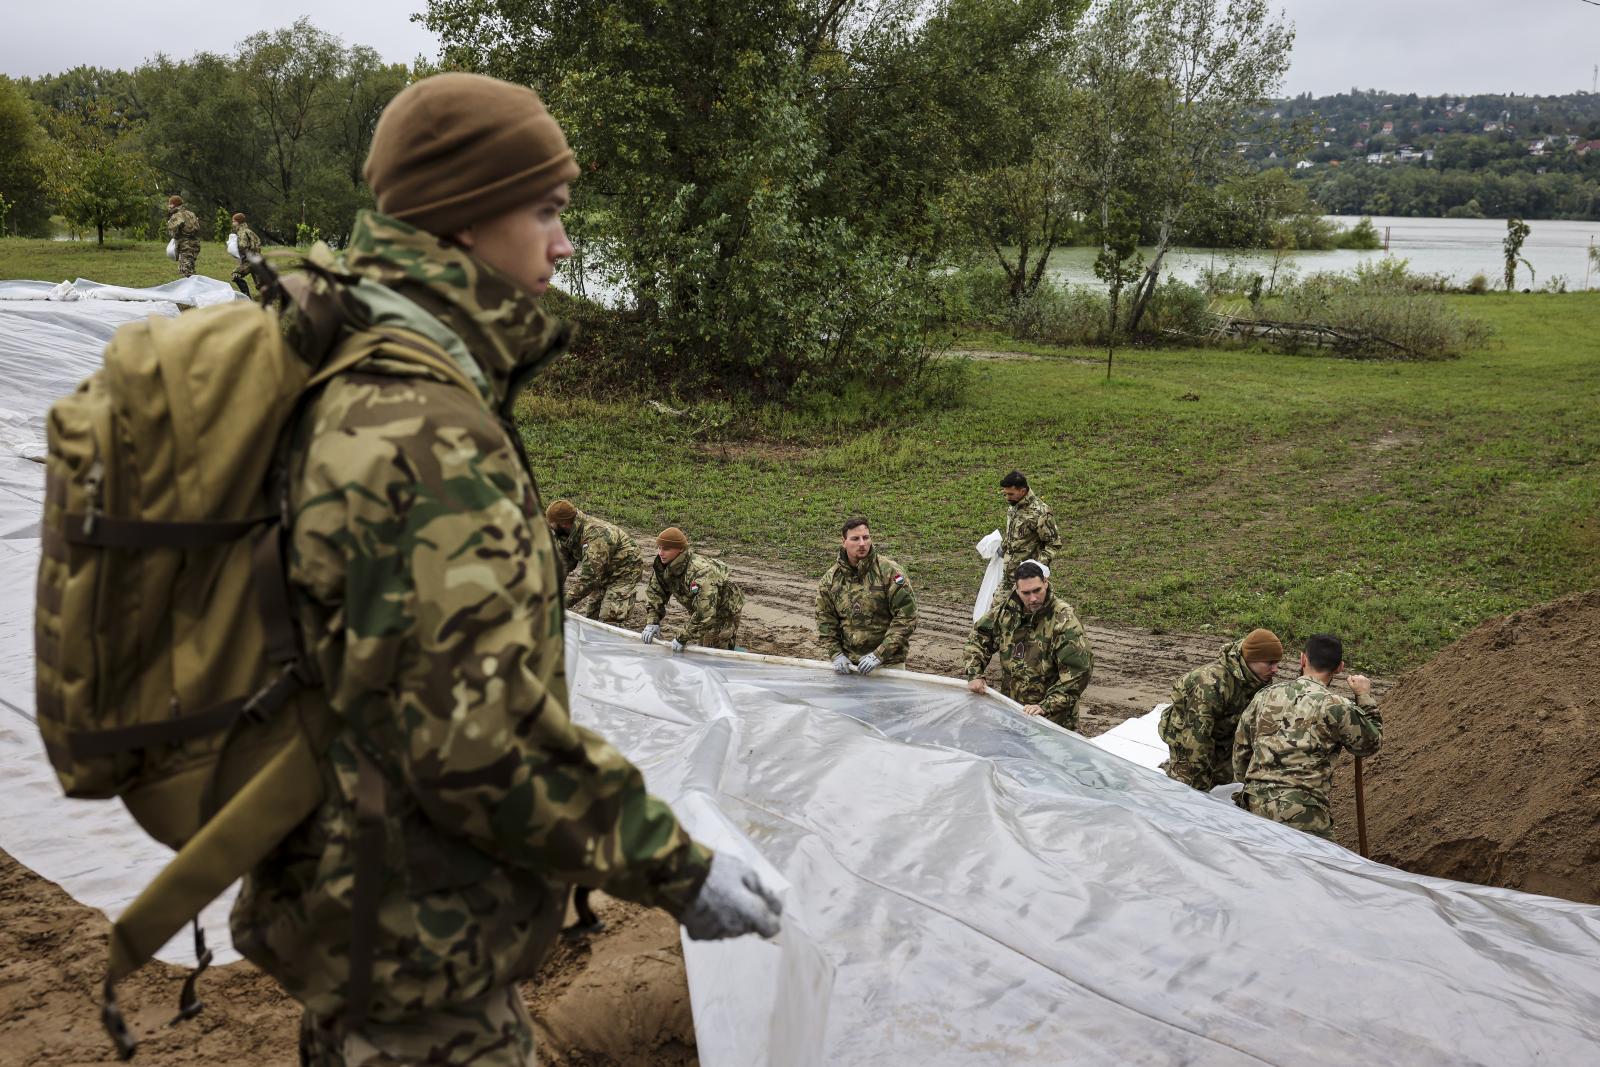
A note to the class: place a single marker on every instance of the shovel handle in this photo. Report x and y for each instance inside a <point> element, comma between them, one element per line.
<point>1361,810</point>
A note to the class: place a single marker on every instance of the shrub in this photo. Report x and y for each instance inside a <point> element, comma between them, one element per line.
<point>1178,307</point>
<point>973,296</point>
<point>1362,236</point>
<point>1478,284</point>
<point>1380,314</point>
<point>1060,315</point>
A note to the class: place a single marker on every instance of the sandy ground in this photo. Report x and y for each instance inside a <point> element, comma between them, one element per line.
<point>618,999</point>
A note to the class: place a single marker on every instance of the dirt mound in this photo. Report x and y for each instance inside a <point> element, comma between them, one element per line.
<point>619,999</point>
<point>1490,767</point>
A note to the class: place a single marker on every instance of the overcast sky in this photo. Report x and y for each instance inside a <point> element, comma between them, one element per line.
<point>1421,46</point>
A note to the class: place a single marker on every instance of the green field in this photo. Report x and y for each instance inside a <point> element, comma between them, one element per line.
<point>134,263</point>
<point>1397,504</point>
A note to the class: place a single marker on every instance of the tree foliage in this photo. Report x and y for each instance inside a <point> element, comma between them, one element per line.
<point>98,178</point>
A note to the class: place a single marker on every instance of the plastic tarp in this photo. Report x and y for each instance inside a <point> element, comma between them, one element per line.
<point>963,883</point>
<point>989,548</point>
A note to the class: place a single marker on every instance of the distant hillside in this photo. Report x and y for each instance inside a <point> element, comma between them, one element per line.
<point>1370,152</point>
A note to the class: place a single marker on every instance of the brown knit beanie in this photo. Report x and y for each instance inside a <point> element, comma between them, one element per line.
<point>174,201</point>
<point>455,149</point>
<point>671,537</point>
<point>238,217</point>
<point>561,513</point>
<point>1262,646</point>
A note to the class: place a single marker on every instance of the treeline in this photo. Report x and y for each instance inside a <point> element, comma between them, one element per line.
<point>278,129</point>
<point>1429,193</point>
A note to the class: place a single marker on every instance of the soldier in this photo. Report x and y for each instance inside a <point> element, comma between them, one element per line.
<point>1030,532</point>
<point>600,560</point>
<point>701,585</point>
<point>866,613</point>
<point>1290,733</point>
<point>183,228</point>
<point>1045,661</point>
<point>424,582</point>
<point>249,244</point>
<point>1199,723</point>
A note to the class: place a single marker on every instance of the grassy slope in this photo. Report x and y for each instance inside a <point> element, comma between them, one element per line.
<point>1395,504</point>
<point>134,263</point>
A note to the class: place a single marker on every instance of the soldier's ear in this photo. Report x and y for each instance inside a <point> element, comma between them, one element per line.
<point>465,238</point>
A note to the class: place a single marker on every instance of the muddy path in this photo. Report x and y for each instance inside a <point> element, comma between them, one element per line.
<point>1134,669</point>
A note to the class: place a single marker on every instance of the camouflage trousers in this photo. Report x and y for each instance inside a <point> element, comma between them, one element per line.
<point>241,278</point>
<point>615,602</point>
<point>492,1031</point>
<point>723,635</point>
<point>187,254</point>
<point>1298,808</point>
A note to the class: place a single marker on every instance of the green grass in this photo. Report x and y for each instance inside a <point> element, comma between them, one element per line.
<point>134,263</point>
<point>1397,504</point>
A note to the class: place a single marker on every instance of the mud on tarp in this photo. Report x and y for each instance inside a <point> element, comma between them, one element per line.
<point>963,884</point>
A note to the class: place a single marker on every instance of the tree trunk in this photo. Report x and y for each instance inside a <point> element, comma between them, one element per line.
<point>1111,332</point>
<point>1147,284</point>
<point>100,233</point>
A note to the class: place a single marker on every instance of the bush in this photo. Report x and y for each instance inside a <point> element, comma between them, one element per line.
<point>1060,315</point>
<point>974,296</point>
<point>1380,313</point>
<point>1363,236</point>
<point>1180,308</point>
<point>1478,284</point>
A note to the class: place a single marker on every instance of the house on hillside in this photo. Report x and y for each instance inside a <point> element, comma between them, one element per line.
<point>1490,127</point>
<point>1583,148</point>
<point>1380,157</point>
<point>1388,127</point>
<point>1304,164</point>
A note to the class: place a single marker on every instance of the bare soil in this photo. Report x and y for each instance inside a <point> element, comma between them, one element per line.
<point>1490,766</point>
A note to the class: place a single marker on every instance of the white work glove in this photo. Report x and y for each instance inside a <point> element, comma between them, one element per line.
<point>841,664</point>
<point>650,632</point>
<point>677,644</point>
<point>869,663</point>
<point>732,902</point>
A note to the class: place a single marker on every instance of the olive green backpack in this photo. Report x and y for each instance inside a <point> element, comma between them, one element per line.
<point>169,669</point>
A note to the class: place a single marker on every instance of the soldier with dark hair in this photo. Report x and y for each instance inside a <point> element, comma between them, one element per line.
<point>1291,732</point>
<point>1030,531</point>
<point>866,612</point>
<point>425,584</point>
<point>1045,660</point>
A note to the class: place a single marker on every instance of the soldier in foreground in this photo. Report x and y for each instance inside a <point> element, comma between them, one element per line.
<point>702,586</point>
<point>600,560</point>
<point>1030,531</point>
<point>424,581</point>
<point>866,612</point>
<point>1203,715</point>
<point>1045,661</point>
<point>249,245</point>
<point>1291,732</point>
<point>184,229</point>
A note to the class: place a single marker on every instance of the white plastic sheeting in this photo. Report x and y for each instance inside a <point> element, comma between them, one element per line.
<point>964,884</point>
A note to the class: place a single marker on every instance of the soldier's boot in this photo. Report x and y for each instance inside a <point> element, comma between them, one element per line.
<point>588,922</point>
<point>243,286</point>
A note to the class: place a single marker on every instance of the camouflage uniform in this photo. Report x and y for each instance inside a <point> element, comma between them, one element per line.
<point>1044,657</point>
<point>1030,534</point>
<point>248,243</point>
<point>603,562</point>
<point>1199,723</point>
<point>1284,750</point>
<point>866,608</point>
<point>701,585</point>
<point>184,228</point>
<point>425,586</point>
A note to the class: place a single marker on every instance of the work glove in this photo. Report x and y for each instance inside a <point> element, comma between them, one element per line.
<point>677,644</point>
<point>869,663</point>
<point>841,664</point>
<point>650,632</point>
<point>732,902</point>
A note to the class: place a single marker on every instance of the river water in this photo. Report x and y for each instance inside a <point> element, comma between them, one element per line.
<point>1456,248</point>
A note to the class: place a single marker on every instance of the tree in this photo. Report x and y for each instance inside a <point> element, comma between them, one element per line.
<point>1217,59</point>
<point>23,155</point>
<point>97,175</point>
<point>1516,232</point>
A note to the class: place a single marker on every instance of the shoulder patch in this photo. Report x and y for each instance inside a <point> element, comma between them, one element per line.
<point>899,579</point>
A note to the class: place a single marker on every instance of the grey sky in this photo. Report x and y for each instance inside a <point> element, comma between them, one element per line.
<point>1420,46</point>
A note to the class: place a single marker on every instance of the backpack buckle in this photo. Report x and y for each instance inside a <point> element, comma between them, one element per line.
<point>266,701</point>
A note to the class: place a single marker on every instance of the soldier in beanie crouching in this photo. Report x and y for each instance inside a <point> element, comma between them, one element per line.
<point>461,801</point>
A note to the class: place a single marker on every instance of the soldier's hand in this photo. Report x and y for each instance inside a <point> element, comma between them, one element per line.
<point>732,902</point>
<point>1032,709</point>
<point>841,664</point>
<point>977,685</point>
<point>677,644</point>
<point>1360,685</point>
<point>650,632</point>
<point>869,663</point>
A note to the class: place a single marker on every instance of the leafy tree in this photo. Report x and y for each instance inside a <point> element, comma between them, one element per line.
<point>1516,232</point>
<point>23,156</point>
<point>98,177</point>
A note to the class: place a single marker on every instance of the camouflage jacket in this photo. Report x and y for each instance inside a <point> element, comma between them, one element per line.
<point>248,241</point>
<point>183,227</point>
<point>1199,723</point>
<point>1044,657</point>
<point>702,586</point>
<point>425,584</point>
<point>596,554</point>
<point>1291,732</point>
<point>1030,534</point>
<point>865,609</point>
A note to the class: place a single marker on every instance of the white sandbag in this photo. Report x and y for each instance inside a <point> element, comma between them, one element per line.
<point>172,249</point>
<point>989,549</point>
<point>233,245</point>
